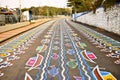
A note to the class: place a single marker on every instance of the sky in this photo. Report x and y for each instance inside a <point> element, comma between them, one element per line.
<point>36,3</point>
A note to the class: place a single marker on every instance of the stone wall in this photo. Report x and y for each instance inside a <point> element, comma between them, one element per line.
<point>109,20</point>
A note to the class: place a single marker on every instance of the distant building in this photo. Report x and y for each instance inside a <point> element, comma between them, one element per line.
<point>9,17</point>
<point>27,15</point>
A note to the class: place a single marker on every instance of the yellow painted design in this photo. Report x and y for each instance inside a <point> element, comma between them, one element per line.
<point>3,55</point>
<point>109,77</point>
<point>9,50</point>
<point>46,36</point>
<point>115,48</point>
<point>109,44</point>
<point>74,34</point>
<point>14,46</point>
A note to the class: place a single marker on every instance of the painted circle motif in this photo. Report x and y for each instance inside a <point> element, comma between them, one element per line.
<point>56,38</point>
<point>43,41</point>
<point>67,40</point>
<point>56,48</point>
<point>68,45</point>
<point>54,56</point>
<point>66,37</point>
<point>49,33</point>
<point>70,51</point>
<point>56,42</point>
<point>57,35</point>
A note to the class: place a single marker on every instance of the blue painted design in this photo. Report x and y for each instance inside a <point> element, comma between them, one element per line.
<point>48,64</point>
<point>87,66</point>
<point>68,45</point>
<point>59,63</point>
<point>76,58</point>
<point>70,51</point>
<point>53,71</point>
<point>103,73</point>
<point>43,41</point>
<point>88,52</point>
<point>41,66</point>
<point>65,60</point>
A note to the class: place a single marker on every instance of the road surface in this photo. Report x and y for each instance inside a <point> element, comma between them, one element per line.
<point>56,50</point>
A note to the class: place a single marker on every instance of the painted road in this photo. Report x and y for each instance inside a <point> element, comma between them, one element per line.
<point>60,52</point>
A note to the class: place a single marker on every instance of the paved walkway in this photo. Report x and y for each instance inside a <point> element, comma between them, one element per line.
<point>9,27</point>
<point>11,30</point>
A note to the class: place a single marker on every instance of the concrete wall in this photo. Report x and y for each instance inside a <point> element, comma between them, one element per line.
<point>109,20</point>
<point>26,15</point>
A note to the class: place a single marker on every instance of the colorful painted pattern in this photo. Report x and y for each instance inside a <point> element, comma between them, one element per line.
<point>102,75</point>
<point>31,61</point>
<point>28,77</point>
<point>56,64</point>
<point>34,63</point>
<point>107,75</point>
<point>61,55</point>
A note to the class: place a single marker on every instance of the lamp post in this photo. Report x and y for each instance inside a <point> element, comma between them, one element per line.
<point>20,10</point>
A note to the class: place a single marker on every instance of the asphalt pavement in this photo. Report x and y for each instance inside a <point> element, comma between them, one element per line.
<point>57,51</point>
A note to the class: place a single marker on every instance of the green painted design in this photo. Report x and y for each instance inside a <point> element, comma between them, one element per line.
<point>72,63</point>
<point>39,48</point>
<point>83,45</point>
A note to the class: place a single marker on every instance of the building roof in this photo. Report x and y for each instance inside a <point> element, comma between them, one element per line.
<point>6,12</point>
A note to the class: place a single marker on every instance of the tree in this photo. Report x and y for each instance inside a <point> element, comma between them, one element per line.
<point>24,9</point>
<point>88,5</point>
<point>96,4</point>
<point>80,5</point>
<point>105,4</point>
<point>109,3</point>
<point>48,11</point>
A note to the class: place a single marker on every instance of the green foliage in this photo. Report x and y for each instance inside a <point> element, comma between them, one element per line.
<point>48,11</point>
<point>80,5</point>
<point>25,9</point>
<point>108,3</point>
<point>88,5</point>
